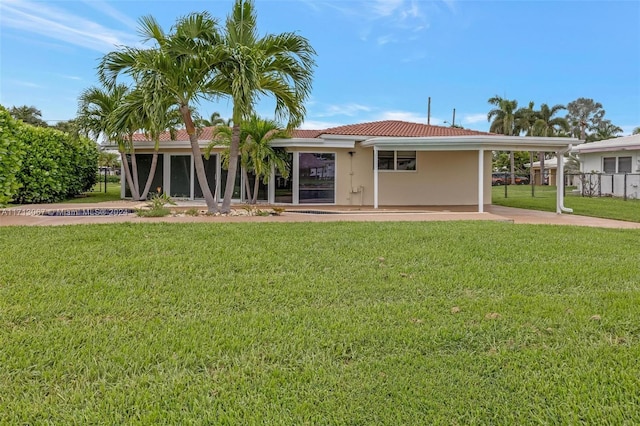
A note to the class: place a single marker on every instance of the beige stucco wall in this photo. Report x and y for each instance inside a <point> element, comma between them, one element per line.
<point>442,178</point>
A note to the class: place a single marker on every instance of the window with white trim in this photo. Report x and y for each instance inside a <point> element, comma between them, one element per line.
<point>397,160</point>
<point>609,164</point>
<point>624,164</point>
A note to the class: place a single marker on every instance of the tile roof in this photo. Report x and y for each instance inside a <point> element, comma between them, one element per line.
<point>389,128</point>
<point>396,128</point>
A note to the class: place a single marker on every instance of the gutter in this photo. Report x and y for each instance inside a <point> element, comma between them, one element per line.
<point>560,208</point>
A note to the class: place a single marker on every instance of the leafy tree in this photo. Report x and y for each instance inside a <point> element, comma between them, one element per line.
<point>605,129</point>
<point>28,114</point>
<point>636,131</point>
<point>582,114</point>
<point>248,66</point>
<point>12,151</point>
<point>182,66</point>
<point>108,159</point>
<point>68,126</point>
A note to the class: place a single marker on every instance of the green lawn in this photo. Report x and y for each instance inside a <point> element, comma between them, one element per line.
<point>545,199</point>
<point>319,323</point>
<point>97,195</point>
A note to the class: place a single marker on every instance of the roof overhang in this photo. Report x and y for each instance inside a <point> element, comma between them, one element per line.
<point>472,143</point>
<point>312,143</point>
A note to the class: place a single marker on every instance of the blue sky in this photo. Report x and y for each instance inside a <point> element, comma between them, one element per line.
<point>377,59</point>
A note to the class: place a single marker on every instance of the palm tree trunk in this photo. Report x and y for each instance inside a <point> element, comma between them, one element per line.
<point>212,205</point>
<point>256,187</point>
<point>247,187</point>
<point>127,175</point>
<point>134,174</point>
<point>233,168</point>
<point>152,172</point>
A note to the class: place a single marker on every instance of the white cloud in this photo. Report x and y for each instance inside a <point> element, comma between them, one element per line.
<point>404,116</point>
<point>474,118</point>
<point>386,7</point>
<point>350,110</point>
<point>55,23</point>
<point>105,8</point>
<point>26,84</point>
<point>319,125</point>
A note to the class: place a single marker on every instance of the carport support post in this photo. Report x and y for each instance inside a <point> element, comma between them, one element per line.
<point>375,177</point>
<point>559,181</point>
<point>480,180</point>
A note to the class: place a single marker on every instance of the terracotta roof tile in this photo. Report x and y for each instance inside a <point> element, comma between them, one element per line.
<point>389,128</point>
<point>395,128</point>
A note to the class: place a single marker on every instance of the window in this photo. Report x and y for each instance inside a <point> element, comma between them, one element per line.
<point>316,179</point>
<point>609,164</point>
<point>624,164</point>
<point>397,160</point>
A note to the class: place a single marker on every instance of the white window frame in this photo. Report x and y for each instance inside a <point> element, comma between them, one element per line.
<point>296,178</point>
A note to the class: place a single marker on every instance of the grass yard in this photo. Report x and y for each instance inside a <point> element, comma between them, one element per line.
<point>545,199</point>
<point>319,323</point>
<point>97,195</point>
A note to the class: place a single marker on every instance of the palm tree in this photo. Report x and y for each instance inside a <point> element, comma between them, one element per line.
<point>96,117</point>
<point>248,67</point>
<point>28,114</point>
<point>547,125</point>
<point>525,117</point>
<point>256,153</point>
<point>258,134</point>
<point>636,131</point>
<point>605,129</point>
<point>504,123</point>
<point>156,114</point>
<point>182,67</point>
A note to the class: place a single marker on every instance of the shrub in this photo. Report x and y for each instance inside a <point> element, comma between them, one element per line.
<point>12,150</point>
<point>56,165</point>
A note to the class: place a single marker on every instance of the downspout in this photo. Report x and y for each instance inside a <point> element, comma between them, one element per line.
<point>560,208</point>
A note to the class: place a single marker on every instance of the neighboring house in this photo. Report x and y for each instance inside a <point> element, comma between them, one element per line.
<point>617,161</point>
<point>551,172</point>
<point>384,163</point>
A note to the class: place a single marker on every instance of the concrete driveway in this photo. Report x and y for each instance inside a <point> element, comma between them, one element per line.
<point>120,211</point>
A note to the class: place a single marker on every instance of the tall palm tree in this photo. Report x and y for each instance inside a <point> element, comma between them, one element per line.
<point>96,117</point>
<point>504,123</point>
<point>183,67</point>
<point>248,66</point>
<point>547,125</point>
<point>156,114</point>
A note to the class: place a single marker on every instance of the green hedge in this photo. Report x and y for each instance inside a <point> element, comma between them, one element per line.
<point>43,165</point>
<point>12,151</point>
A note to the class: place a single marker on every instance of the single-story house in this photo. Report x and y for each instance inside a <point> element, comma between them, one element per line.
<point>550,171</point>
<point>616,161</point>
<point>383,163</point>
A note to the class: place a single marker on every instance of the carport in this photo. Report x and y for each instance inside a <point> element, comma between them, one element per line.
<point>476,143</point>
